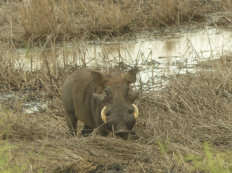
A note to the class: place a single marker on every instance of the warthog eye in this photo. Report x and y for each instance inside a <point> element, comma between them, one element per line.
<point>131,110</point>
<point>107,113</point>
<point>107,90</point>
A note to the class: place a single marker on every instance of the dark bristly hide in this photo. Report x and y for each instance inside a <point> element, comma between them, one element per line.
<point>103,100</point>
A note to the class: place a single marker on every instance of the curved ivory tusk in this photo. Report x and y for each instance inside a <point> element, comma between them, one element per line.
<point>136,114</point>
<point>103,116</point>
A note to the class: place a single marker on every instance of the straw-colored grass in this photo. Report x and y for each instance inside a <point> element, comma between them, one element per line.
<point>27,21</point>
<point>174,122</point>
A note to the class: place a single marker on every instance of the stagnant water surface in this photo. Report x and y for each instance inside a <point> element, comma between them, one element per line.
<point>157,56</point>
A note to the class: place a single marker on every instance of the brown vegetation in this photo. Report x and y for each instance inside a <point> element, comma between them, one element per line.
<point>24,22</point>
<point>174,121</point>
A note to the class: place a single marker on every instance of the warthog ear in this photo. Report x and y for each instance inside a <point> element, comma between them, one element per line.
<point>97,77</point>
<point>133,95</point>
<point>130,76</point>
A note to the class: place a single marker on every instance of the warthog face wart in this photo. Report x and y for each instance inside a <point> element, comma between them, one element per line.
<point>101,100</point>
<point>119,112</point>
<point>103,114</point>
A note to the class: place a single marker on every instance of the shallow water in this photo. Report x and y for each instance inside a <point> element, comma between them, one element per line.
<point>157,56</point>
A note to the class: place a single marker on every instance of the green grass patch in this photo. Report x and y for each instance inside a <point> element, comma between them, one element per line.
<point>5,166</point>
<point>212,160</point>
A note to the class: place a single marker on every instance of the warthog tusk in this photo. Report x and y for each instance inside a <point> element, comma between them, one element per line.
<point>103,115</point>
<point>136,114</point>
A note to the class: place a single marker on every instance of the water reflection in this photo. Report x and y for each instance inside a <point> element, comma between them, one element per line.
<point>157,57</point>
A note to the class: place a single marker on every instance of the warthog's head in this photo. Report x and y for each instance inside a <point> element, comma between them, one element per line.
<point>117,98</point>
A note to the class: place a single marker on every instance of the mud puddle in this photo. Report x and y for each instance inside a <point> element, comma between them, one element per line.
<point>157,57</point>
<point>23,102</point>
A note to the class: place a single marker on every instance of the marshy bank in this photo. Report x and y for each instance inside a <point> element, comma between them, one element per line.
<point>192,107</point>
<point>185,81</point>
<point>174,122</point>
<point>25,73</point>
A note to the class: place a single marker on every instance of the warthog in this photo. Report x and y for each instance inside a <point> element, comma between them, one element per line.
<point>100,100</point>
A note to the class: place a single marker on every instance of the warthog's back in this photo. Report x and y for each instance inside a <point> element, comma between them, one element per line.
<point>75,93</point>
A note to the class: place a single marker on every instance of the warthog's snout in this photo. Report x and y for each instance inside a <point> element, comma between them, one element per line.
<point>123,135</point>
<point>120,121</point>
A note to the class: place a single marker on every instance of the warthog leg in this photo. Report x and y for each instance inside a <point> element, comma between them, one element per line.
<point>71,122</point>
<point>86,131</point>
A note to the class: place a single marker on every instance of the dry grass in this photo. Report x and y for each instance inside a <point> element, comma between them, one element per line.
<point>28,21</point>
<point>175,121</point>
